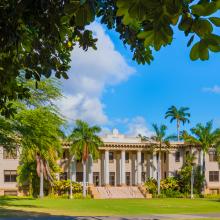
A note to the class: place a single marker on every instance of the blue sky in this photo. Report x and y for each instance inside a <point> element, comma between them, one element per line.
<point>133,96</point>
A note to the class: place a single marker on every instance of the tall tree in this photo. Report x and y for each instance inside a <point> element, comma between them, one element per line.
<point>162,142</point>
<point>180,115</point>
<point>36,126</point>
<point>40,134</point>
<point>37,37</point>
<point>205,137</point>
<point>85,142</point>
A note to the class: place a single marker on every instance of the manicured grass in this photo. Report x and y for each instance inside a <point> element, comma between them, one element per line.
<point>89,207</point>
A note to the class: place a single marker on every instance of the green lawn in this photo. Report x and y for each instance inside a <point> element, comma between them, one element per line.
<point>25,206</point>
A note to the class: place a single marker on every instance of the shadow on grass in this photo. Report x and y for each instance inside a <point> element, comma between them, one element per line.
<point>7,201</point>
<point>30,215</point>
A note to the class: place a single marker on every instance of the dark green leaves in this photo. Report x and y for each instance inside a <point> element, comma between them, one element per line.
<point>201,49</point>
<point>215,21</point>
<point>204,9</point>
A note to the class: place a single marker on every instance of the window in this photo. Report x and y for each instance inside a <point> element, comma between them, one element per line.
<point>213,176</point>
<point>111,157</point>
<point>128,178</point>
<point>79,176</point>
<point>164,157</point>
<point>165,174</point>
<point>10,176</point>
<point>213,156</point>
<point>9,154</point>
<point>63,176</point>
<point>65,154</point>
<point>143,177</point>
<point>127,157</point>
<point>177,156</point>
<point>142,157</point>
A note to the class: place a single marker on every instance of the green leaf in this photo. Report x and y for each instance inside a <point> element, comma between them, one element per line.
<point>122,11</point>
<point>214,48</point>
<point>203,50</point>
<point>215,21</point>
<point>204,9</point>
<point>194,53</point>
<point>202,27</point>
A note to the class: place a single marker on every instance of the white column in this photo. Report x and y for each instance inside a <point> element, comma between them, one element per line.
<point>123,167</point>
<point>73,169</point>
<point>90,170</point>
<point>106,170</point>
<point>150,164</point>
<point>154,167</point>
<point>139,167</point>
<point>201,160</point>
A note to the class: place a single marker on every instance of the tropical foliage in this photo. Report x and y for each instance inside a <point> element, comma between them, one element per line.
<point>40,140</point>
<point>85,143</point>
<point>61,187</point>
<point>161,144</point>
<point>180,115</point>
<point>40,35</point>
<point>36,130</point>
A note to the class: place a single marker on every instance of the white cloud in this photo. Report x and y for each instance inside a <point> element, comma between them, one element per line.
<point>91,73</point>
<point>215,89</point>
<point>138,125</point>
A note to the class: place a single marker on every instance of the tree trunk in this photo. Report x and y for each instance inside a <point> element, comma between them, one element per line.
<point>158,173</point>
<point>84,178</point>
<point>178,130</point>
<point>41,179</point>
<point>192,183</point>
<point>203,170</point>
<point>30,185</point>
<point>71,186</point>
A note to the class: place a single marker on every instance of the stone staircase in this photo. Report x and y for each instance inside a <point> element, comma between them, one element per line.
<point>115,192</point>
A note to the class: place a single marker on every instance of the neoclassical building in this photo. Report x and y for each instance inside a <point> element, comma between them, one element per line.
<point>124,164</point>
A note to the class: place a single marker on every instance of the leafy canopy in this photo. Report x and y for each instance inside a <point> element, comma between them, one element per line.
<point>37,36</point>
<point>181,114</point>
<point>204,136</point>
<point>85,141</point>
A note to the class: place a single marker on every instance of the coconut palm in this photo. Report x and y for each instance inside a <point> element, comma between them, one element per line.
<point>85,142</point>
<point>180,115</point>
<point>162,142</point>
<point>204,137</point>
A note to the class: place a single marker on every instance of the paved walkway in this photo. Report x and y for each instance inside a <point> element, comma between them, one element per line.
<point>146,217</point>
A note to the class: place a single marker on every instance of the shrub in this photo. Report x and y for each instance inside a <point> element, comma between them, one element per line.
<point>63,187</point>
<point>169,193</point>
<point>212,196</point>
<point>170,183</point>
<point>80,196</point>
<point>151,186</point>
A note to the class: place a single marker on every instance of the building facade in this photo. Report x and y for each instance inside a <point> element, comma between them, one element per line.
<point>123,161</point>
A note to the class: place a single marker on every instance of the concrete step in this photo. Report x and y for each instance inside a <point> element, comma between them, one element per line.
<point>117,192</point>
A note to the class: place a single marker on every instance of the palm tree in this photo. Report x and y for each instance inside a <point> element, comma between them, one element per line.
<point>85,142</point>
<point>40,138</point>
<point>205,137</point>
<point>180,115</point>
<point>143,137</point>
<point>162,142</point>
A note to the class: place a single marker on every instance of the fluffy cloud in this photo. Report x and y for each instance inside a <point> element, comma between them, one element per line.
<point>215,89</point>
<point>91,72</point>
<point>138,125</point>
<point>133,126</point>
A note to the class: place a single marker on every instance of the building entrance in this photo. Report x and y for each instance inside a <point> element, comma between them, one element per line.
<point>112,178</point>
